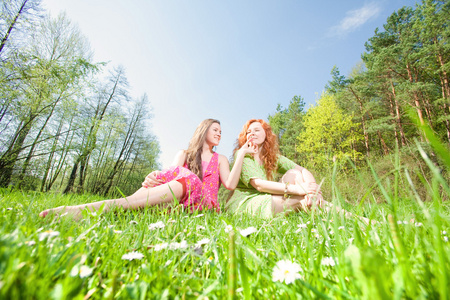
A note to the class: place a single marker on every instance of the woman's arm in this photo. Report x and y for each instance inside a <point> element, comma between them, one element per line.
<point>277,188</point>
<point>151,179</point>
<point>301,187</point>
<point>228,178</point>
<point>180,159</point>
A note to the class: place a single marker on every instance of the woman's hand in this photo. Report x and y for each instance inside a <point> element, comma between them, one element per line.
<point>249,147</point>
<point>151,180</point>
<point>308,188</point>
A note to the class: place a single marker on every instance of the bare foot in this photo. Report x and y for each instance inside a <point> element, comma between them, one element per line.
<point>61,211</point>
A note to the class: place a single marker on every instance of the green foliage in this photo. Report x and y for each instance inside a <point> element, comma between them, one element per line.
<point>329,135</point>
<point>63,126</point>
<point>399,257</point>
<point>286,124</point>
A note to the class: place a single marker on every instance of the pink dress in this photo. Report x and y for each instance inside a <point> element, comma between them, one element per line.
<point>199,195</point>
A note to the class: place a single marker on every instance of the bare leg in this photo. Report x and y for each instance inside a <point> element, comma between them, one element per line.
<point>298,203</point>
<point>293,203</point>
<point>141,198</point>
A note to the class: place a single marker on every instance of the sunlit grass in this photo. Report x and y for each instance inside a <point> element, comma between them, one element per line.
<point>176,255</point>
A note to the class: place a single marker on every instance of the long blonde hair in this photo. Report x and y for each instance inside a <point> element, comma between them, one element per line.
<point>194,150</point>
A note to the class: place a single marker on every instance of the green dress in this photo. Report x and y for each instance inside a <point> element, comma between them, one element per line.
<point>246,199</point>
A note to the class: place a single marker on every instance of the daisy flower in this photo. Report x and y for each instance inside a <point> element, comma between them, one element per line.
<point>159,247</point>
<point>82,271</point>
<point>228,228</point>
<point>48,234</point>
<point>328,261</point>
<point>202,242</point>
<point>132,256</point>
<point>247,231</point>
<point>286,271</point>
<point>156,225</point>
<point>30,243</point>
<point>175,246</point>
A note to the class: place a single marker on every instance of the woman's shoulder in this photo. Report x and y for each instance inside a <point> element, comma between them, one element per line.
<point>180,158</point>
<point>221,157</point>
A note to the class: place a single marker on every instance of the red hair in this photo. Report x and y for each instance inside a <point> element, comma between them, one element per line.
<point>270,149</point>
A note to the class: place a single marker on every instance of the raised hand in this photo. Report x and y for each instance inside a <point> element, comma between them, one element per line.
<point>151,180</point>
<point>249,147</point>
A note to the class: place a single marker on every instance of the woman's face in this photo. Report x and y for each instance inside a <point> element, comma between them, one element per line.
<point>214,134</point>
<point>256,133</point>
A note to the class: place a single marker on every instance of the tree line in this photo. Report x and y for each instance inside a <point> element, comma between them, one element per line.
<point>403,76</point>
<point>66,123</point>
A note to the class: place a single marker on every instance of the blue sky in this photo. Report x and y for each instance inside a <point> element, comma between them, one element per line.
<point>230,60</point>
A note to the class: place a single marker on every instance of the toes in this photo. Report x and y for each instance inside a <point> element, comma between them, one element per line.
<point>43,214</point>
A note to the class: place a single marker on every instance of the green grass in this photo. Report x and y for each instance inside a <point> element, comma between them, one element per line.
<point>394,259</point>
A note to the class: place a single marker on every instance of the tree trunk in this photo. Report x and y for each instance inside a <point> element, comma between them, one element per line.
<point>11,26</point>
<point>9,158</point>
<point>363,121</point>
<point>398,117</point>
<point>33,146</point>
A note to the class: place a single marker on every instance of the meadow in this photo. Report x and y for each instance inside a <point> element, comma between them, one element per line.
<point>173,254</point>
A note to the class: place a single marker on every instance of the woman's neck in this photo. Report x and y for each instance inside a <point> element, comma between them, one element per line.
<point>207,149</point>
<point>257,155</point>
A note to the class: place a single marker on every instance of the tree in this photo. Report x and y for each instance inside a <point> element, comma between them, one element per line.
<point>329,134</point>
<point>51,65</point>
<point>286,124</point>
<point>12,13</point>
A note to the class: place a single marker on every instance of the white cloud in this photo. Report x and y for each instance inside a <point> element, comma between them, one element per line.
<point>356,18</point>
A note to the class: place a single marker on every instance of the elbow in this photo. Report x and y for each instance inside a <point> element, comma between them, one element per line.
<point>259,189</point>
<point>229,187</point>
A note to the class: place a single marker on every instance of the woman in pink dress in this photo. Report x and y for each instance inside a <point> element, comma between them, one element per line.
<point>193,179</point>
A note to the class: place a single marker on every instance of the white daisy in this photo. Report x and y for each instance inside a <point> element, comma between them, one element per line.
<point>82,271</point>
<point>85,271</point>
<point>248,231</point>
<point>175,246</point>
<point>286,271</point>
<point>302,225</point>
<point>418,224</point>
<point>199,227</point>
<point>202,242</point>
<point>132,256</point>
<point>118,231</point>
<point>159,247</point>
<point>341,227</point>
<point>228,228</point>
<point>30,243</point>
<point>156,225</point>
<point>48,234</point>
<point>328,261</point>
<point>445,239</point>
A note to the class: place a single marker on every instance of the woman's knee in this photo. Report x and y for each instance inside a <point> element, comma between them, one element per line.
<point>292,176</point>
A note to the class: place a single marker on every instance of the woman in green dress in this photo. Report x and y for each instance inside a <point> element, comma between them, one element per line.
<point>257,193</point>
